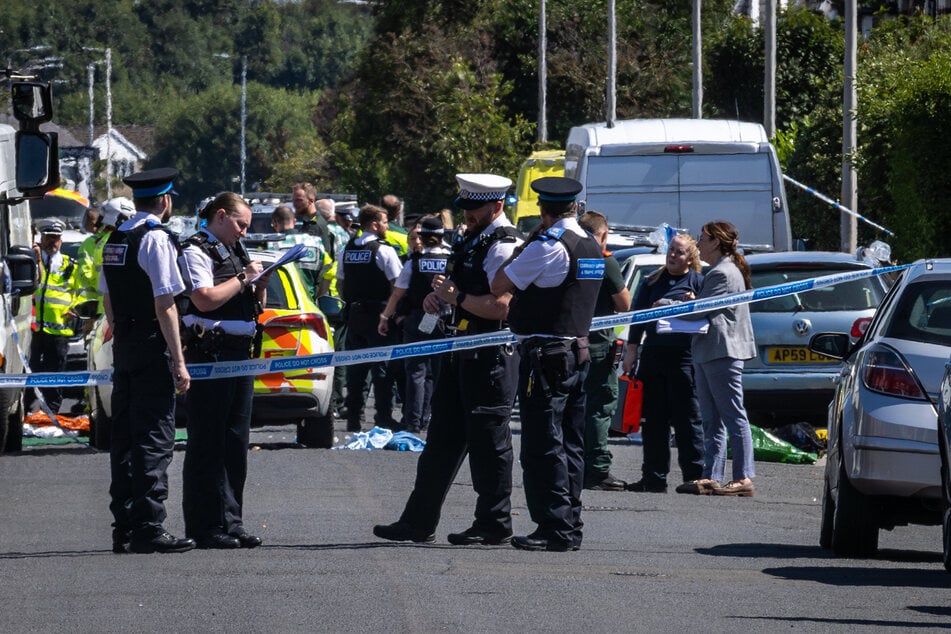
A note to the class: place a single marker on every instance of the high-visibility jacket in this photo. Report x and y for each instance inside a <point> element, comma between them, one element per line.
<point>89,264</point>
<point>56,294</point>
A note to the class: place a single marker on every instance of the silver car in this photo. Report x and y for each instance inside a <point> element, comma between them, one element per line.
<point>786,382</point>
<point>883,466</point>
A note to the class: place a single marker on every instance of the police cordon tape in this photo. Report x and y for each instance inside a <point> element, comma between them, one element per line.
<point>255,367</point>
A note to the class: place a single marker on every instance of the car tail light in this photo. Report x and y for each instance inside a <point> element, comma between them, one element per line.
<point>860,326</point>
<point>884,371</point>
<point>303,320</point>
<point>678,149</point>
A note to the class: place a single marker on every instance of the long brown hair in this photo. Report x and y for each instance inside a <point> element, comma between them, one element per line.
<point>727,238</point>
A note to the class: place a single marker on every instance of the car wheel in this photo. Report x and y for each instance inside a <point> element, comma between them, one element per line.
<point>947,538</point>
<point>854,525</point>
<point>316,432</point>
<point>100,426</point>
<point>828,517</point>
<point>11,423</point>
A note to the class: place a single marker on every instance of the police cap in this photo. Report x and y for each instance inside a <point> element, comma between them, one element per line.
<point>476,190</point>
<point>557,188</point>
<point>152,183</point>
<point>53,228</point>
<point>432,226</point>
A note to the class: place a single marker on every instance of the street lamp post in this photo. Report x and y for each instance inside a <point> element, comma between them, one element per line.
<point>244,111</point>
<point>108,61</point>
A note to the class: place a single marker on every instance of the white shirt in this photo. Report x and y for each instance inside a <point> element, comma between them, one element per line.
<point>197,268</point>
<point>403,280</point>
<point>500,251</point>
<point>386,258</point>
<point>544,263</point>
<point>157,257</point>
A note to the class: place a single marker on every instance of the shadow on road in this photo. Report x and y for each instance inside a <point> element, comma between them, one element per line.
<point>851,622</point>
<point>801,551</point>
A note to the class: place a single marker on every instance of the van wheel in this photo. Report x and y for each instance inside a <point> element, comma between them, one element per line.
<point>316,432</point>
<point>100,426</point>
<point>11,423</point>
<point>855,525</point>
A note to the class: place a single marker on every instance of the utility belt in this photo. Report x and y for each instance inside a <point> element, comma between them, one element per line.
<point>212,342</point>
<point>549,360</point>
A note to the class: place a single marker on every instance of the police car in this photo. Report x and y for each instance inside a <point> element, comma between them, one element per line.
<point>293,326</point>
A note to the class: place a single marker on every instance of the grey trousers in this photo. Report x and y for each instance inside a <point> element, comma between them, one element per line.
<point>720,392</point>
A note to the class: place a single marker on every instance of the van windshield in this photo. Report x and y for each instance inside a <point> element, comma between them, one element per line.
<point>685,191</point>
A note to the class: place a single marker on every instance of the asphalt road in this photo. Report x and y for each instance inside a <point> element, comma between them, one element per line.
<point>649,562</point>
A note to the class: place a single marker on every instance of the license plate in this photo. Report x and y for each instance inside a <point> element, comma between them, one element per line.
<point>795,354</point>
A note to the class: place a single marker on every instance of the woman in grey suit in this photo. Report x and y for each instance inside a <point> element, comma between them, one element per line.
<point>718,357</point>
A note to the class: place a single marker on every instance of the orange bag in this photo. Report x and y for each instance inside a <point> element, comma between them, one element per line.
<point>630,395</point>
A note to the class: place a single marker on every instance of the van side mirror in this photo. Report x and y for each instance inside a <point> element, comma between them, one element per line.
<point>24,272</point>
<point>32,103</point>
<point>831,344</point>
<point>37,162</point>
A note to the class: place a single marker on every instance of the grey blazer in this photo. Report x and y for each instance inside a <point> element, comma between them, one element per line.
<point>731,331</point>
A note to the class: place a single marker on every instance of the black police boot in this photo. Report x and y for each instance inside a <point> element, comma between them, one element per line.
<point>164,542</point>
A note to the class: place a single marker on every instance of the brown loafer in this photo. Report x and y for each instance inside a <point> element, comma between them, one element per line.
<point>736,488</point>
<point>698,487</point>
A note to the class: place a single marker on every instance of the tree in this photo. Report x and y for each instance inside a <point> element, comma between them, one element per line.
<point>201,137</point>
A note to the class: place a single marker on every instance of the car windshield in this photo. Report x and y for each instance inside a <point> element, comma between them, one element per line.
<point>860,294</point>
<point>260,223</point>
<point>923,313</point>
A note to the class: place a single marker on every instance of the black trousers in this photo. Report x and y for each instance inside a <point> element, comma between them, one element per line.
<point>359,338</point>
<point>216,456</point>
<point>552,452</point>
<point>472,407</point>
<point>143,435</point>
<point>48,354</point>
<point>670,401</point>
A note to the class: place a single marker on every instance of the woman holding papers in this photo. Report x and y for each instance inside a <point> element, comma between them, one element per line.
<point>664,365</point>
<point>718,359</point>
<point>225,291</point>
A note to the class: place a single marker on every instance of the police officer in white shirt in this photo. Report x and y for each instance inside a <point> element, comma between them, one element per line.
<point>555,280</point>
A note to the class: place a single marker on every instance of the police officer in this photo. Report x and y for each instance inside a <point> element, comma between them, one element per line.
<point>601,385</point>
<point>139,281</point>
<point>366,270</point>
<point>476,388</point>
<point>406,305</point>
<point>53,302</point>
<point>556,279</point>
<point>220,319</point>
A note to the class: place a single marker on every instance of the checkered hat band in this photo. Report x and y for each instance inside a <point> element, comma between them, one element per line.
<point>465,194</point>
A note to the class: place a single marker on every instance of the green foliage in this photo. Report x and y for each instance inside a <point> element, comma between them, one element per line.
<point>201,136</point>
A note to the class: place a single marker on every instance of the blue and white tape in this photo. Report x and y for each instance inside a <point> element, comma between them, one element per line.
<point>340,358</point>
<point>839,206</point>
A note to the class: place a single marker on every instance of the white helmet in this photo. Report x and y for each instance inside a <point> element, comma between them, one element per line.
<point>116,211</point>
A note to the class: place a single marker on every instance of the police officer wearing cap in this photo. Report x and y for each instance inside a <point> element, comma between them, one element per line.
<point>476,388</point>
<point>53,302</point>
<point>406,306</point>
<point>220,320</point>
<point>555,279</point>
<point>139,282</point>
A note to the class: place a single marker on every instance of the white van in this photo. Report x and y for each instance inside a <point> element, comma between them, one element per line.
<point>28,168</point>
<point>684,172</point>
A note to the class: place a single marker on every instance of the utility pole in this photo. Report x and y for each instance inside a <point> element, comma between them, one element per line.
<point>697,100</point>
<point>90,79</point>
<point>244,116</point>
<point>542,73</point>
<point>611,97</point>
<point>108,123</point>
<point>769,83</point>
<point>847,224</point>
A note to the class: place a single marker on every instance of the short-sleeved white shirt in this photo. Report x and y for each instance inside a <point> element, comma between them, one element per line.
<point>500,251</point>
<point>197,268</point>
<point>386,258</point>
<point>544,263</point>
<point>157,257</point>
